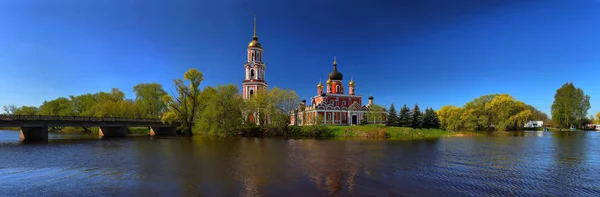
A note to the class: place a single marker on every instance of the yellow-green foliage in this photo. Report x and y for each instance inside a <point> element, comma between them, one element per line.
<point>494,111</point>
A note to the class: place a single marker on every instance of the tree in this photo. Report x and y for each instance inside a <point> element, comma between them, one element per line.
<point>405,119</point>
<point>417,117</point>
<point>26,110</point>
<point>364,121</point>
<point>220,110</point>
<point>430,119</point>
<point>84,104</point>
<point>185,105</point>
<point>10,109</point>
<point>57,107</point>
<point>376,113</point>
<point>598,118</point>
<point>450,117</point>
<point>392,118</point>
<point>570,105</point>
<point>114,105</point>
<point>282,104</point>
<point>148,98</point>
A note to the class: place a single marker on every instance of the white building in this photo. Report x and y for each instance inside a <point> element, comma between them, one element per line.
<point>534,124</point>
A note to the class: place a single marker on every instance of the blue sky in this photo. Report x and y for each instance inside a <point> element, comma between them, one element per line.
<point>429,52</point>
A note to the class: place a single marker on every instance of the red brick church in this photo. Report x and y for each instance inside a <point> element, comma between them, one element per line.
<point>333,106</point>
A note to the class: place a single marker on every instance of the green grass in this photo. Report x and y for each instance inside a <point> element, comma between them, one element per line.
<point>382,131</point>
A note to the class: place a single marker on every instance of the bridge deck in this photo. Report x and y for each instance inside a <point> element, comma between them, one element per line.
<point>77,121</point>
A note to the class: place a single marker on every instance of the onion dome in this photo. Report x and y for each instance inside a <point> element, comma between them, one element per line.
<point>351,82</point>
<point>320,85</point>
<point>328,81</point>
<point>335,74</point>
<point>303,101</point>
<point>254,42</point>
<point>370,97</point>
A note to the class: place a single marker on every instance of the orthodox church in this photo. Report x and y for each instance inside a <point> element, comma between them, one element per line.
<point>335,107</point>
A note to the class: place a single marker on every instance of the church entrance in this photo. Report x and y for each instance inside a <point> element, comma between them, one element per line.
<point>354,119</point>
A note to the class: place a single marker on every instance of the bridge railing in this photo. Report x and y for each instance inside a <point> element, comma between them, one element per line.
<point>5,117</point>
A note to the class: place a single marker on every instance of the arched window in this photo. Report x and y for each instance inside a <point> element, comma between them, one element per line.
<point>253,56</point>
<point>331,102</point>
<point>344,103</point>
<point>337,88</point>
<point>251,92</point>
<point>252,74</point>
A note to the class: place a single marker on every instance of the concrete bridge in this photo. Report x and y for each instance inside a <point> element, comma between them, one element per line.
<point>36,127</point>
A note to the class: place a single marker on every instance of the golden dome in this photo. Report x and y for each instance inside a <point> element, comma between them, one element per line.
<point>254,43</point>
<point>351,82</point>
<point>320,85</point>
<point>328,81</point>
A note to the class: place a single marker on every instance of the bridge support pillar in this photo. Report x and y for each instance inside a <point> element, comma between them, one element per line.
<point>163,131</point>
<point>34,133</point>
<point>112,131</point>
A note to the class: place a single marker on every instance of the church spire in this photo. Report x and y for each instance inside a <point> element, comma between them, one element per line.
<point>254,27</point>
<point>254,42</point>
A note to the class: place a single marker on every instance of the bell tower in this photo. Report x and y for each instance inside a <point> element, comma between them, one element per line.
<point>254,80</point>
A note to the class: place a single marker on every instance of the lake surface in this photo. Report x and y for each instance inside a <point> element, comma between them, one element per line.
<point>523,164</point>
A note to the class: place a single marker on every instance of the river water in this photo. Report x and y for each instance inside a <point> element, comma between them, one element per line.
<point>522,164</point>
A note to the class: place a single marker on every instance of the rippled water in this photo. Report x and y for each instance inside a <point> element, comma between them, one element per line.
<point>525,164</point>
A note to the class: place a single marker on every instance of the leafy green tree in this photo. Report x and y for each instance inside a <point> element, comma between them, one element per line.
<point>392,118</point>
<point>405,117</point>
<point>148,98</point>
<point>57,107</point>
<point>220,110</point>
<point>10,109</point>
<point>185,105</point>
<point>450,117</point>
<point>417,117</point>
<point>259,107</point>
<point>570,105</point>
<point>376,114</point>
<point>84,104</point>
<point>283,103</point>
<point>273,108</point>
<point>598,118</point>
<point>26,110</point>
<point>114,105</point>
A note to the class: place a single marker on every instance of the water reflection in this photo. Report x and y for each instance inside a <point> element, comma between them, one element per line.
<point>522,164</point>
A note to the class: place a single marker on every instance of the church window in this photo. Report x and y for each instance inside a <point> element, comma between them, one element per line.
<point>344,103</point>
<point>252,74</point>
<point>331,102</point>
<point>251,92</point>
<point>337,88</point>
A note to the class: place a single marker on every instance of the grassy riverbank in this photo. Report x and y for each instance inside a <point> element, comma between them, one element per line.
<point>371,131</point>
<point>378,131</point>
